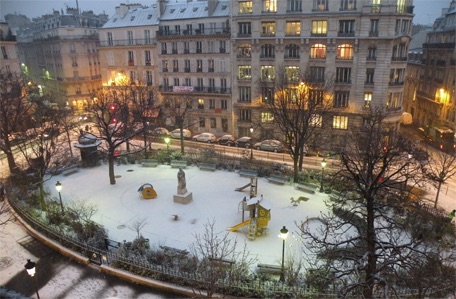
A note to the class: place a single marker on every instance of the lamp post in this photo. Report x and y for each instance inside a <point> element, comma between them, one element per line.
<point>30,267</point>
<point>167,140</point>
<point>323,165</point>
<point>409,156</point>
<point>58,187</point>
<point>251,143</point>
<point>283,235</point>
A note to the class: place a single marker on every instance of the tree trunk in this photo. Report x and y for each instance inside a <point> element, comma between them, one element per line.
<point>11,162</point>
<point>437,195</point>
<point>112,177</point>
<point>69,142</point>
<point>371,268</point>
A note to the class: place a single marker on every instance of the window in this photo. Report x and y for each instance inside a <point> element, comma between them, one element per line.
<point>174,47</point>
<point>245,28</point>
<point>132,76</point>
<point>213,123</point>
<point>340,122</point>
<point>210,65</point>
<point>187,65</point>
<point>372,53</point>
<point>210,46</point>
<point>316,120</point>
<point>245,115</point>
<point>373,27</point>
<point>320,5</point>
<point>370,76</point>
<point>166,83</point>
<point>293,28</point>
<point>394,100</point>
<point>199,65</point>
<point>149,78</point>
<point>267,95</point>
<point>211,104</point>
<point>165,66</point>
<point>347,4</point>
<point>202,122</point>
<point>269,5</point>
<point>316,96</point>
<point>244,94</point>
<point>199,47</point>
<point>245,7</point>
<point>175,66</point>
<point>186,47</point>
<point>223,85</point>
<point>176,82</point>
<point>110,57</point>
<point>245,72</point>
<point>199,84</point>
<point>163,48</point>
<point>200,104</point>
<point>344,51</point>
<point>292,73</point>
<point>346,28</point>
<point>110,43</point>
<point>147,39</point>
<point>177,29</point>
<point>245,51</point>
<point>318,51</point>
<point>188,82</point>
<point>267,72</point>
<point>130,37</point>
<point>147,57</point>
<point>319,27</point>
<point>267,117</point>
<point>343,75</point>
<point>267,51</point>
<point>292,51</point>
<point>294,5</point>
<point>367,99</point>
<point>317,74</point>
<point>222,46</point>
<point>131,58</point>
<point>211,82</point>
<point>341,99</point>
<point>268,28</point>
<point>224,105</point>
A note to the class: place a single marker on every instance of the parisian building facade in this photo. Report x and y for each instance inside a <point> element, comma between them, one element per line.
<point>9,60</point>
<point>217,52</point>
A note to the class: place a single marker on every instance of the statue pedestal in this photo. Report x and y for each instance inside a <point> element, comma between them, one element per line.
<point>183,198</point>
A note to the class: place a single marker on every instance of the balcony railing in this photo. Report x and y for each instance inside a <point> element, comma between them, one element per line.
<point>345,34</point>
<point>207,32</point>
<point>199,89</point>
<point>126,42</point>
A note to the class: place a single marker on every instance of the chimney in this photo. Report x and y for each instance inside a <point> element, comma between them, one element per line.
<point>122,10</point>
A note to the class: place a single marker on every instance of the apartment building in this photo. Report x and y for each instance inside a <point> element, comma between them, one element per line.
<point>431,74</point>
<point>59,53</point>
<point>9,61</point>
<point>361,44</point>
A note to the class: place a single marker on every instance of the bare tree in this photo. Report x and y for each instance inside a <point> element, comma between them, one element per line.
<point>367,235</point>
<point>68,123</point>
<point>297,104</point>
<point>220,257</point>
<point>137,225</point>
<point>16,107</point>
<point>441,167</point>
<point>181,113</point>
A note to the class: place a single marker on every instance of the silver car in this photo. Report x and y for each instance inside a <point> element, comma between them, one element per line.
<point>205,137</point>
<point>177,134</point>
<point>269,145</point>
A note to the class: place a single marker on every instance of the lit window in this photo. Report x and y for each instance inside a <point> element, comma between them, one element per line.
<point>318,51</point>
<point>268,28</point>
<point>245,7</point>
<point>340,122</point>
<point>270,5</point>
<point>316,120</point>
<point>367,99</point>
<point>319,27</point>
<point>292,73</point>
<point>267,73</point>
<point>245,72</point>
<point>245,51</point>
<point>293,28</point>
<point>344,51</point>
<point>267,117</point>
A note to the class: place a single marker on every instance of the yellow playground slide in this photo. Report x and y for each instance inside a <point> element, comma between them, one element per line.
<point>238,226</point>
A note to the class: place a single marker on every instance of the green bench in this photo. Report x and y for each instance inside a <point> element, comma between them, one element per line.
<point>149,163</point>
<point>70,170</point>
<point>178,164</point>
<point>248,173</point>
<point>277,179</point>
<point>269,269</point>
<point>207,166</point>
<point>308,188</point>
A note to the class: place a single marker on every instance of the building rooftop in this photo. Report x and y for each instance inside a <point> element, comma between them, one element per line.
<point>194,10</point>
<point>135,16</point>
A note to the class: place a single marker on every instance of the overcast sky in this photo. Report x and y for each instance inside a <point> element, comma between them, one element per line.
<point>426,11</point>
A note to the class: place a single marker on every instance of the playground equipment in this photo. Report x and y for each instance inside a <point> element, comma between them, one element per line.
<point>147,191</point>
<point>259,216</point>
<point>253,187</point>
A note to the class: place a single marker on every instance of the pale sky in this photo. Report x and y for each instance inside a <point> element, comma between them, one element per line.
<point>426,11</point>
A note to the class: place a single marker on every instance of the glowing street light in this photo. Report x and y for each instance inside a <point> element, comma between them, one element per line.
<point>323,165</point>
<point>30,267</point>
<point>283,235</point>
<point>167,140</point>
<point>58,187</point>
<point>251,141</point>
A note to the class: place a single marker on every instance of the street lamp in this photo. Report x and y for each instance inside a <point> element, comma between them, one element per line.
<point>167,140</point>
<point>58,187</point>
<point>409,156</point>
<point>251,141</point>
<point>323,165</point>
<point>30,267</point>
<point>283,235</point>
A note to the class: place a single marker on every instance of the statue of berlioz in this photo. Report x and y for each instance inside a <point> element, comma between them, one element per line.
<point>181,182</point>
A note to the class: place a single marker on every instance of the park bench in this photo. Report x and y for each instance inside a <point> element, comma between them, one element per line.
<point>149,163</point>
<point>269,269</point>
<point>70,170</point>
<point>174,251</point>
<point>178,164</point>
<point>309,188</point>
<point>207,166</point>
<point>278,179</point>
<point>248,173</point>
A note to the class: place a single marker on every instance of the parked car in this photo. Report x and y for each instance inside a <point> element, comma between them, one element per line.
<point>159,132</point>
<point>226,140</point>
<point>243,142</point>
<point>269,145</point>
<point>177,134</point>
<point>205,137</point>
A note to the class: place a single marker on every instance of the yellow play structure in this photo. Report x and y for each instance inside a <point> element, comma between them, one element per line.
<point>147,191</point>
<point>259,217</point>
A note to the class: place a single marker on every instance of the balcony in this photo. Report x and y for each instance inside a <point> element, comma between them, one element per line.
<point>172,34</point>
<point>345,34</point>
<point>396,83</point>
<point>174,51</point>
<point>175,70</point>
<point>126,42</point>
<point>398,58</point>
<point>210,70</point>
<point>373,33</point>
<point>131,63</point>
<point>187,70</point>
<point>147,62</point>
<point>186,51</point>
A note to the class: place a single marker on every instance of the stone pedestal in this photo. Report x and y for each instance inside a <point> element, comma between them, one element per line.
<point>183,198</point>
